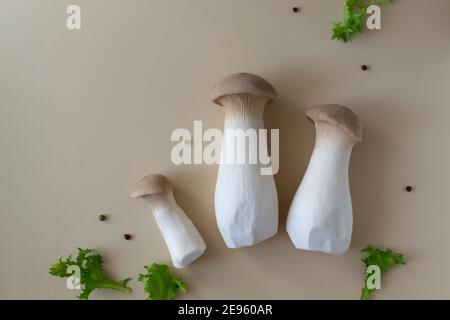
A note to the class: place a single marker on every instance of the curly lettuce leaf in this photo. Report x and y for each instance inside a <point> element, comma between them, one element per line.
<point>353,21</point>
<point>383,259</point>
<point>160,284</point>
<point>92,275</point>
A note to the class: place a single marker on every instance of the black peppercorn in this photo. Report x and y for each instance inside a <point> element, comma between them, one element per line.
<point>409,189</point>
<point>102,217</point>
<point>127,236</point>
<point>364,67</point>
<point>296,9</point>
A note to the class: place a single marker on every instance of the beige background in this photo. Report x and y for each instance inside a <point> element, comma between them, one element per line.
<point>84,114</point>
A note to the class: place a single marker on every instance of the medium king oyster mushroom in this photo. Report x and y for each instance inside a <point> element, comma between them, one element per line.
<point>184,242</point>
<point>246,202</point>
<point>321,217</point>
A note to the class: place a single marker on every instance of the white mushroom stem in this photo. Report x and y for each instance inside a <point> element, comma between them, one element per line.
<point>245,201</point>
<point>182,238</point>
<point>321,217</point>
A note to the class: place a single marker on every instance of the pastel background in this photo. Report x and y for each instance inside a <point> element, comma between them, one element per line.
<point>85,114</point>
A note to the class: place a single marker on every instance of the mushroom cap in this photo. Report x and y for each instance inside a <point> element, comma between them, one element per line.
<point>242,83</point>
<point>339,116</point>
<point>152,184</point>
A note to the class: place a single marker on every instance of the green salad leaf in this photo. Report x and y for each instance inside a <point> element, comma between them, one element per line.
<point>353,22</point>
<point>383,259</point>
<point>91,274</point>
<point>160,284</point>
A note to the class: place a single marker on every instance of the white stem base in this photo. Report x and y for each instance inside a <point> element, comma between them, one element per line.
<point>246,205</point>
<point>184,242</point>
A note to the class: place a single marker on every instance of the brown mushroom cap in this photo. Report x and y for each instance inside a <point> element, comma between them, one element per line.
<point>242,83</point>
<point>152,184</point>
<point>339,116</point>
